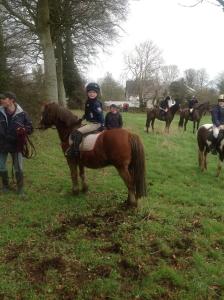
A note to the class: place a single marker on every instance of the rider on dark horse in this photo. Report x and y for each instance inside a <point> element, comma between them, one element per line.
<point>218,123</point>
<point>165,105</point>
<point>191,104</point>
<point>93,114</point>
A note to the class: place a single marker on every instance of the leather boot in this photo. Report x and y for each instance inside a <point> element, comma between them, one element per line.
<point>20,183</point>
<point>5,181</point>
<point>73,150</point>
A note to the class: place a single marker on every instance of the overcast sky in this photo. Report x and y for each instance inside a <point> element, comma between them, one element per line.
<point>188,37</point>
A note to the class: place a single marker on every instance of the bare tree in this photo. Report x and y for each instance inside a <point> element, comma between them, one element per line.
<point>91,23</point>
<point>196,79</point>
<point>34,16</point>
<point>169,74</point>
<point>4,72</point>
<point>111,89</point>
<point>143,65</point>
<point>220,83</point>
<point>190,76</point>
<point>215,2</point>
<point>202,79</point>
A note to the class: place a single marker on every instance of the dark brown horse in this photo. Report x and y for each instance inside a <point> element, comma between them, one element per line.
<point>116,147</point>
<point>195,116</point>
<point>204,137</point>
<point>156,113</point>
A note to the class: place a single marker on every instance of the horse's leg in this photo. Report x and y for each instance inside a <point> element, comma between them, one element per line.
<point>205,159</point>
<point>185,124</point>
<point>83,178</point>
<point>74,175</point>
<point>219,168</point>
<point>125,175</point>
<point>147,124</point>
<point>167,127</point>
<point>152,124</point>
<point>201,160</point>
<point>193,126</point>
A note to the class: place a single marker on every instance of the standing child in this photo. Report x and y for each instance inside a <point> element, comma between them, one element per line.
<point>113,118</point>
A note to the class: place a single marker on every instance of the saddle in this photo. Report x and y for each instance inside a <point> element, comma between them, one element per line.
<point>89,141</point>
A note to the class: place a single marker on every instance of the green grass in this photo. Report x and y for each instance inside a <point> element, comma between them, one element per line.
<point>57,246</point>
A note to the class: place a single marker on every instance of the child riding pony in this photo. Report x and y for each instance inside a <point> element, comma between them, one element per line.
<point>116,147</point>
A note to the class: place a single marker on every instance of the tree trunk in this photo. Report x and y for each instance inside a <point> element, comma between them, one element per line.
<point>59,68</point>
<point>4,72</point>
<point>74,85</point>
<point>50,76</point>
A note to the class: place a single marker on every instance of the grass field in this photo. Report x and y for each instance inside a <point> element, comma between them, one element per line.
<point>57,246</point>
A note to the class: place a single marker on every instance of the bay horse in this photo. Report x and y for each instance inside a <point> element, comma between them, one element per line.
<point>204,139</point>
<point>155,113</point>
<point>116,147</point>
<point>195,117</point>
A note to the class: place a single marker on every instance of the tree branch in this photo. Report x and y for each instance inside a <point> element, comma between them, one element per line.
<point>17,15</point>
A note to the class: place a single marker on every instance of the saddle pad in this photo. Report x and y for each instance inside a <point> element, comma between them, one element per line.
<point>89,141</point>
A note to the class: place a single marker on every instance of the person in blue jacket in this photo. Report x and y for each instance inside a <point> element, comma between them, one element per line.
<point>218,122</point>
<point>93,114</point>
<point>14,124</point>
<point>113,118</point>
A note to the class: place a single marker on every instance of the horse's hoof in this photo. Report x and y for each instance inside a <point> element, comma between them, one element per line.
<point>75,192</point>
<point>128,204</point>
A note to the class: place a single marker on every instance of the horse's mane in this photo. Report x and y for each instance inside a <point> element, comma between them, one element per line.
<point>57,112</point>
<point>202,105</point>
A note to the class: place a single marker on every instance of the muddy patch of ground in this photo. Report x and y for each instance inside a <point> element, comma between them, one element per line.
<point>99,224</point>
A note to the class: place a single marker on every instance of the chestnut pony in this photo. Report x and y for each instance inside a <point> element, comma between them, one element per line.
<point>116,147</point>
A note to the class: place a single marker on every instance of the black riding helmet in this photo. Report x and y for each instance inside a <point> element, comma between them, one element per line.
<point>113,106</point>
<point>92,86</point>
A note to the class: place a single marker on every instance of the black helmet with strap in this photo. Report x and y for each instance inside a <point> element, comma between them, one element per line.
<point>92,86</point>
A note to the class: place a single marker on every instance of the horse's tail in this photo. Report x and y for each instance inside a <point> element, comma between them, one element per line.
<point>181,121</point>
<point>137,166</point>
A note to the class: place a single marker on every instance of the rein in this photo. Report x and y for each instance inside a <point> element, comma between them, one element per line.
<point>28,150</point>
